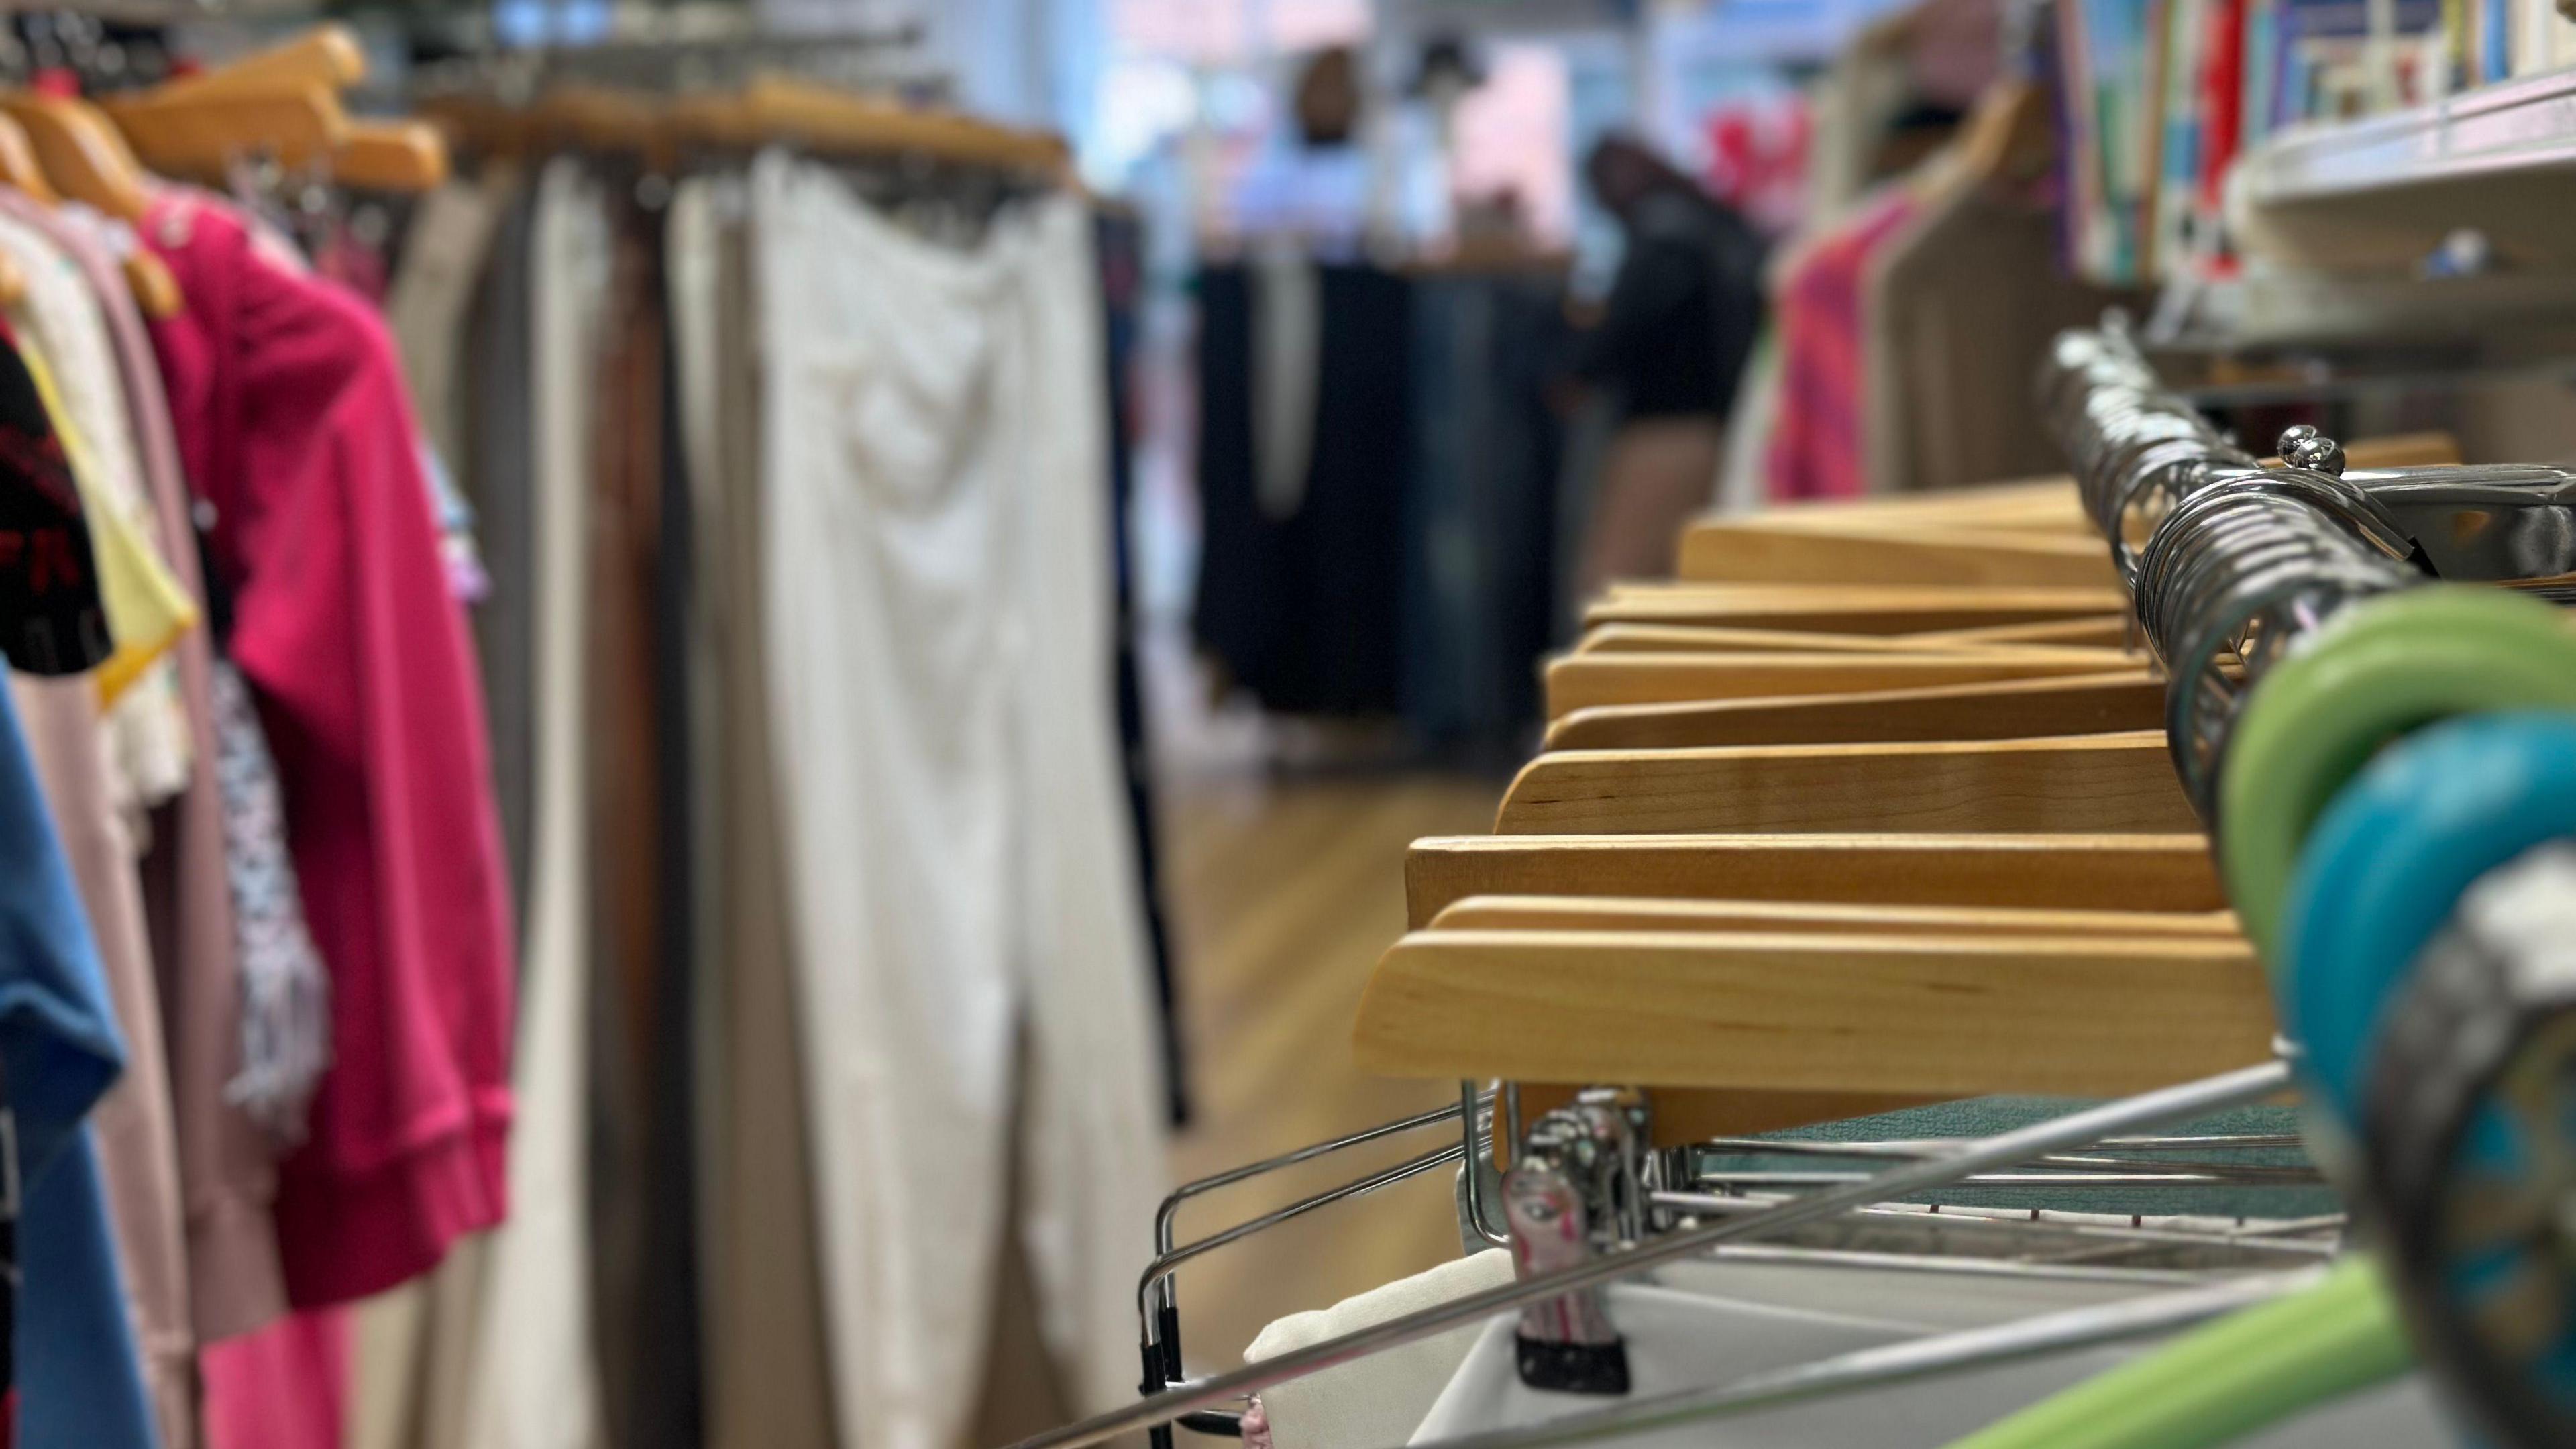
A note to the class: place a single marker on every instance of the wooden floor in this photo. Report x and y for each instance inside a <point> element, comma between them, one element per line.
<point>1282,893</point>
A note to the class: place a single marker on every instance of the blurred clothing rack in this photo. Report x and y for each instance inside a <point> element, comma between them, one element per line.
<point>886,60</point>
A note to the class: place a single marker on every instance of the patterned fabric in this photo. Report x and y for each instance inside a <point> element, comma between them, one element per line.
<point>286,994</point>
<point>1816,449</point>
<point>52,619</point>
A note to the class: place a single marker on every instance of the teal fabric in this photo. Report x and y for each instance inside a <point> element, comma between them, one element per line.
<point>1988,1116</point>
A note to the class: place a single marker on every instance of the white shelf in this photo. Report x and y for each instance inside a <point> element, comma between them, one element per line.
<point>2380,195</point>
<point>2511,128</point>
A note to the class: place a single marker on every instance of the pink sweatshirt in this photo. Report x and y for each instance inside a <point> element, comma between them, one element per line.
<point>294,424</point>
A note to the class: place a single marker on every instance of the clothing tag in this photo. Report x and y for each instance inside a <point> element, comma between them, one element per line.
<point>52,621</point>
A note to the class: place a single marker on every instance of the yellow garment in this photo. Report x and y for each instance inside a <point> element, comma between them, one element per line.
<point>147,610</point>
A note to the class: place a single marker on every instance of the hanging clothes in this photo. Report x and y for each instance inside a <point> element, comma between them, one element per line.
<point>285,1387</point>
<point>1301,598</point>
<point>137,1142</point>
<point>770,1382</point>
<point>54,618</point>
<point>938,611</point>
<point>1381,1399</point>
<point>65,336</point>
<point>443,255</point>
<point>1481,505</point>
<point>292,417</point>
<point>1818,443</point>
<point>536,1379</point>
<point>459,310</point>
<point>77,1359</point>
<point>1121,242</point>
<point>224,1160</point>
<point>1958,309</point>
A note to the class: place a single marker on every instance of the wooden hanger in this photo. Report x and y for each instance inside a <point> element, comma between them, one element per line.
<point>261,102</point>
<point>1613,913</point>
<point>1753,549</point>
<point>2169,872</point>
<point>2010,137</point>
<point>18,171</point>
<point>599,118</point>
<point>401,157</point>
<point>480,123</point>
<point>838,123</point>
<point>18,168</point>
<point>2073,704</point>
<point>1470,996</point>
<point>84,159</point>
<point>2002,533</point>
<point>2047,504</point>
<point>1848,609</point>
<point>81,153</point>
<point>2108,631</point>
<point>1919,1016</point>
<point>1718,639</point>
<point>201,136</point>
<point>2075,784</point>
<point>325,56</point>
<point>1585,681</point>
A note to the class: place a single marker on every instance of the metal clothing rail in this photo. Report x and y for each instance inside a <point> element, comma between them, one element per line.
<point>2079,1129</point>
<point>2232,564</point>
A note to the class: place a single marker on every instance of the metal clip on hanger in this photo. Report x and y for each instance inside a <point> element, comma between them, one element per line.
<point>1576,1188</point>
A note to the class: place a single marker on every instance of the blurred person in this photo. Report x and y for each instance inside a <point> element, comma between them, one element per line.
<point>1667,355</point>
<point>1312,187</point>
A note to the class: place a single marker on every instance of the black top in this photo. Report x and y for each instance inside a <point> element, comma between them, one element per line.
<point>52,620</point>
<point>1683,312</point>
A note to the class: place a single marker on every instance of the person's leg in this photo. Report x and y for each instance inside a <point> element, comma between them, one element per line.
<point>1658,474</point>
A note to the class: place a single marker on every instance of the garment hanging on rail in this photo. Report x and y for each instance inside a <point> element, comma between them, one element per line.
<point>536,1382</point>
<point>1300,598</point>
<point>137,1143</point>
<point>59,1045</point>
<point>94,767</point>
<point>771,1379</point>
<point>292,416</point>
<point>938,611</point>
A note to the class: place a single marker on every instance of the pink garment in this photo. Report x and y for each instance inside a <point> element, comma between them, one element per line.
<point>294,424</point>
<point>284,1387</point>
<point>226,1167</point>
<point>1816,441</point>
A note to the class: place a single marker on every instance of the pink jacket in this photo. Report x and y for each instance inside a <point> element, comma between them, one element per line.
<point>294,424</point>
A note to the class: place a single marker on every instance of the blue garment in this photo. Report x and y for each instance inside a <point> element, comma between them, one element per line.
<point>79,1375</point>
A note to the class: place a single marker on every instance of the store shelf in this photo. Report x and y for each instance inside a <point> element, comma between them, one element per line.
<point>2309,307</point>
<point>2522,130</point>
<point>2381,195</point>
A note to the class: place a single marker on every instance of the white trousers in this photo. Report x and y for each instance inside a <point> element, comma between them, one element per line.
<point>964,885</point>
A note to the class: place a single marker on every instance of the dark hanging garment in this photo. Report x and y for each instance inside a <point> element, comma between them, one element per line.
<point>52,621</point>
<point>498,476</point>
<point>1303,604</point>
<point>9,1193</point>
<point>1121,243</point>
<point>671,1402</point>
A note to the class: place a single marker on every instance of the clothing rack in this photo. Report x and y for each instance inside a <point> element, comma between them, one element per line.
<point>886,59</point>
<point>1695,894</point>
